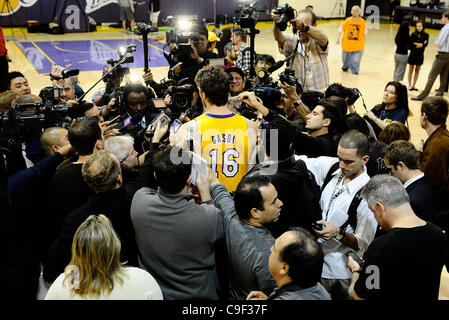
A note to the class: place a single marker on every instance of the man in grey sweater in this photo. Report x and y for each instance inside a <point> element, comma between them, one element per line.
<point>248,242</point>
<point>176,237</point>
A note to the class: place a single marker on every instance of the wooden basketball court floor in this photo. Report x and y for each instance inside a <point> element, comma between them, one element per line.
<point>33,55</point>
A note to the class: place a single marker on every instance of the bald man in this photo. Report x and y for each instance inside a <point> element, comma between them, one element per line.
<point>295,262</point>
<point>52,139</point>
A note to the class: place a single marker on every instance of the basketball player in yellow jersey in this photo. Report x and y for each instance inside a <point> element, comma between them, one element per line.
<point>227,141</point>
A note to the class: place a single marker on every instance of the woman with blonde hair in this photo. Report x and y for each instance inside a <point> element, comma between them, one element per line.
<point>95,271</point>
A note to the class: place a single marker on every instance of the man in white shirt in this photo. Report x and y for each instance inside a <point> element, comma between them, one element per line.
<point>440,65</point>
<point>402,161</point>
<point>338,236</point>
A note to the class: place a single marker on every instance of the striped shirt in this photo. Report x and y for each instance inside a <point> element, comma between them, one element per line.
<point>443,39</point>
<point>310,64</point>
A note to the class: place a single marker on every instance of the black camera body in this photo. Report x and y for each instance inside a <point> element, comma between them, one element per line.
<point>50,96</point>
<point>120,71</point>
<point>353,94</point>
<point>287,13</point>
<point>288,77</point>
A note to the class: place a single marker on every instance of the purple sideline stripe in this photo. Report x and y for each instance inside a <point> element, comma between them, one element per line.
<point>88,55</point>
<point>219,116</point>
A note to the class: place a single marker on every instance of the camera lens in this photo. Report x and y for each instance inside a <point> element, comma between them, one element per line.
<point>181,101</point>
<point>282,22</point>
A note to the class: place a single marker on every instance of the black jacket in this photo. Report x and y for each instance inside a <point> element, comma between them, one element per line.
<point>301,205</point>
<point>115,205</point>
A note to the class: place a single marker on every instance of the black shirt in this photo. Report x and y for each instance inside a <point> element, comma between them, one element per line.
<point>409,260</point>
<point>314,147</point>
<point>209,55</point>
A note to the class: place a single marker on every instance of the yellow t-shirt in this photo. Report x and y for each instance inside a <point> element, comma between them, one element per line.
<point>353,35</point>
<point>225,145</point>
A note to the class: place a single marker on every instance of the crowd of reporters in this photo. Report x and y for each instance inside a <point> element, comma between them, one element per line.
<point>112,156</point>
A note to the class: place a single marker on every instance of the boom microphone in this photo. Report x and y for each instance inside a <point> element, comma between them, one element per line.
<point>279,64</point>
<point>276,66</point>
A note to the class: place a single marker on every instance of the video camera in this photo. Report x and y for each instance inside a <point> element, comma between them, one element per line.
<point>50,96</point>
<point>26,121</point>
<point>65,74</point>
<point>287,13</point>
<point>248,14</point>
<point>120,71</point>
<point>181,97</point>
<point>182,31</point>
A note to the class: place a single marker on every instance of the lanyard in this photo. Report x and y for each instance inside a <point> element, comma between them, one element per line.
<point>334,195</point>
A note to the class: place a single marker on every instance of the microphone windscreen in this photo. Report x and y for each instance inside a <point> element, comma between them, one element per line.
<point>276,66</point>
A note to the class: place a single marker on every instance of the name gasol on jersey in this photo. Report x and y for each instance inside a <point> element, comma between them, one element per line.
<point>223,138</point>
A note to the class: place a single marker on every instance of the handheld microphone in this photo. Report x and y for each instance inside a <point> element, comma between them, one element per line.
<point>129,123</point>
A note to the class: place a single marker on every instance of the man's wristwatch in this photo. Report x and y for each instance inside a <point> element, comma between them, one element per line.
<point>341,234</point>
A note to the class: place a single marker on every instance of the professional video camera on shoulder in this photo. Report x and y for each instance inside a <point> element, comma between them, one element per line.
<point>26,121</point>
<point>248,13</point>
<point>181,97</point>
<point>183,30</point>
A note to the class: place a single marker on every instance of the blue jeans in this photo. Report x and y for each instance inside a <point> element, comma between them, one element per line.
<point>351,60</point>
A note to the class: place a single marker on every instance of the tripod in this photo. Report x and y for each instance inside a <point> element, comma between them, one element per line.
<point>9,8</point>
<point>339,6</point>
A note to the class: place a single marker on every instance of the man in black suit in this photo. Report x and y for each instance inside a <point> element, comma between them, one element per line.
<point>401,159</point>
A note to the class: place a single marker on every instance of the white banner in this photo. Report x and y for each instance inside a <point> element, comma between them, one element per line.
<point>94,5</point>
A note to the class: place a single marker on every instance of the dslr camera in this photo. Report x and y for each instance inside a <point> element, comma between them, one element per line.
<point>287,13</point>
<point>353,94</point>
<point>336,89</point>
<point>288,77</point>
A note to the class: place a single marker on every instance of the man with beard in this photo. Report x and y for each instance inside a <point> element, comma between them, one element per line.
<point>347,222</point>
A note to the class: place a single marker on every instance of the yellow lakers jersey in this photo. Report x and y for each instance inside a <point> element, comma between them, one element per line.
<point>225,146</point>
